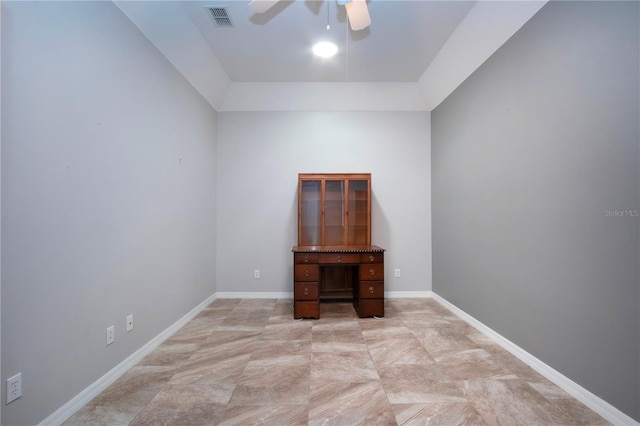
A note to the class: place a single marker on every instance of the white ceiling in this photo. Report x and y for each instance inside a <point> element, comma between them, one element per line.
<point>411,57</point>
<point>276,46</point>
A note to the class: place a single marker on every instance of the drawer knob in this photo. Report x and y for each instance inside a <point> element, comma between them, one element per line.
<point>371,258</point>
<point>339,258</point>
<point>371,290</point>
<point>306,259</point>
<point>306,272</point>
<point>306,291</point>
<point>372,272</point>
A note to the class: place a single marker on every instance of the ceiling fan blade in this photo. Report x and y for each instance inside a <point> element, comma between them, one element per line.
<point>358,14</point>
<point>261,6</point>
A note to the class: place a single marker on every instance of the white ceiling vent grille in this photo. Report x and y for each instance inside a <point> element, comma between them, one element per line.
<point>220,16</point>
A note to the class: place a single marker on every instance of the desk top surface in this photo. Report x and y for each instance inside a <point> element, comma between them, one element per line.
<point>337,249</point>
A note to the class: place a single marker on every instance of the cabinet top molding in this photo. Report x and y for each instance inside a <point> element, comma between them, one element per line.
<point>334,176</point>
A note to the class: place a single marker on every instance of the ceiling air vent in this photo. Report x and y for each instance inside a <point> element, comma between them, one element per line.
<point>220,16</point>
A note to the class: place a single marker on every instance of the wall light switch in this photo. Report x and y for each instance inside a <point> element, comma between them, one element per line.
<point>129,323</point>
<point>111,335</point>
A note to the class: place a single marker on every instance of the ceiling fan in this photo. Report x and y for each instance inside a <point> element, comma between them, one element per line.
<point>357,11</point>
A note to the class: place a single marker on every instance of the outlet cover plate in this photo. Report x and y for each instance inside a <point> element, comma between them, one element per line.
<point>14,387</point>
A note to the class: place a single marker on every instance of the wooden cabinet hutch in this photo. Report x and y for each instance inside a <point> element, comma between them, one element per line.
<point>334,258</point>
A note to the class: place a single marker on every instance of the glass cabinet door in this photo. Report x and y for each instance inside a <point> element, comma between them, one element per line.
<point>334,212</point>
<point>358,213</point>
<point>310,213</point>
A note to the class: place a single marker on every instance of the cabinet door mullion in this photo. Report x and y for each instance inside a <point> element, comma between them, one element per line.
<point>345,235</point>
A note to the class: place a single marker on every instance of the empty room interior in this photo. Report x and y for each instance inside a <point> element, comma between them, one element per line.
<point>151,163</point>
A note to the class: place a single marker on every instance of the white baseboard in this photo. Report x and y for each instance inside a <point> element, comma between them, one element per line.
<point>254,295</point>
<point>595,403</point>
<point>84,397</point>
<point>289,295</point>
<point>406,294</point>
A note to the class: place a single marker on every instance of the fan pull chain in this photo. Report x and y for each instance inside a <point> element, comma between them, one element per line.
<point>328,7</point>
<point>346,26</point>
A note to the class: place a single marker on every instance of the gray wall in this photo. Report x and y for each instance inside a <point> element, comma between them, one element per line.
<point>259,157</point>
<point>108,197</point>
<point>531,158</point>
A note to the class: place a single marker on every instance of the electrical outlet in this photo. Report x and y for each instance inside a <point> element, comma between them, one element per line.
<point>111,335</point>
<point>14,387</point>
<point>397,273</point>
<point>256,273</point>
<point>129,322</point>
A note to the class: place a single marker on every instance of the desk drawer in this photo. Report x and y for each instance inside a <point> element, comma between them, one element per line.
<point>372,272</point>
<point>305,258</point>
<point>305,291</point>
<point>306,310</point>
<point>337,258</point>
<point>371,290</point>
<point>306,272</point>
<point>372,258</point>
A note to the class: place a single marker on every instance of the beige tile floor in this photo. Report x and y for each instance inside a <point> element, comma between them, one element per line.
<point>247,362</point>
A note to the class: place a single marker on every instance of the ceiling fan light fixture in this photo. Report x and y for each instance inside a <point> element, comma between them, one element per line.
<point>325,49</point>
<point>261,6</point>
<point>358,14</point>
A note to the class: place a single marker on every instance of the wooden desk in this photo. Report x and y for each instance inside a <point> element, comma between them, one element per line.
<point>366,269</point>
